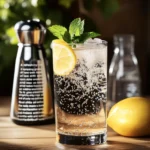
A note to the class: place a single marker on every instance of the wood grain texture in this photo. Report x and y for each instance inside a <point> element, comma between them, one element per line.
<point>15,137</point>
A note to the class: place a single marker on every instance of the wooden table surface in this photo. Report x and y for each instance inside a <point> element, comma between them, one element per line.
<point>15,137</point>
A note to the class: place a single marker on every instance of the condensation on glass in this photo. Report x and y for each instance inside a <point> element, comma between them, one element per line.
<point>124,76</point>
<point>32,101</point>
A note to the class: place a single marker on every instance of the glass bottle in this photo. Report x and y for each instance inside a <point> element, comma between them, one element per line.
<point>124,77</point>
<point>32,94</point>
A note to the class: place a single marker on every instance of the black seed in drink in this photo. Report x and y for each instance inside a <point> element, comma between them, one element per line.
<point>81,92</point>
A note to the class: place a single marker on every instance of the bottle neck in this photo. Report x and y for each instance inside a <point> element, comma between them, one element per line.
<point>124,49</point>
<point>124,44</point>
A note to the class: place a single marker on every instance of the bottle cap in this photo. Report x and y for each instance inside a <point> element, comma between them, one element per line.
<point>31,31</point>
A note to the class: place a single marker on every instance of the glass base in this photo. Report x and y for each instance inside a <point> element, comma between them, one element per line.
<point>82,140</point>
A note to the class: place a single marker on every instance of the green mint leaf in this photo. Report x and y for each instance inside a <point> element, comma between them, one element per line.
<point>82,27</point>
<point>76,27</point>
<point>87,35</point>
<point>67,37</point>
<point>58,31</point>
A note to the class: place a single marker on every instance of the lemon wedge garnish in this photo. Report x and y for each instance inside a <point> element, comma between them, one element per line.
<point>64,58</point>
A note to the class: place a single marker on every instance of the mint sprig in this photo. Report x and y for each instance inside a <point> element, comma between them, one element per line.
<point>75,34</point>
<point>58,31</point>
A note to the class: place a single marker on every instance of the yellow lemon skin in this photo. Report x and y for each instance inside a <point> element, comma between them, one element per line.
<point>130,117</point>
<point>64,58</point>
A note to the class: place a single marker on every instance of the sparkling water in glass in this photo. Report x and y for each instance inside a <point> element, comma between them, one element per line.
<point>80,97</point>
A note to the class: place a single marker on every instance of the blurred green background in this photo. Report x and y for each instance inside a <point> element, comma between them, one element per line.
<point>108,17</point>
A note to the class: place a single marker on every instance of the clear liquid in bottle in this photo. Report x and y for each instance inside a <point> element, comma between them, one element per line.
<point>124,77</point>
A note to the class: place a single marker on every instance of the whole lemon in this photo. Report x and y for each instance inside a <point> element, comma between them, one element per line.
<point>130,117</point>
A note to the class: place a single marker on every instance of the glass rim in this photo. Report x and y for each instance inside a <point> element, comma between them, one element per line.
<point>91,45</point>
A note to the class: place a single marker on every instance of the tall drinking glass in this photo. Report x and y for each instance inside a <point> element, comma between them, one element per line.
<point>80,97</point>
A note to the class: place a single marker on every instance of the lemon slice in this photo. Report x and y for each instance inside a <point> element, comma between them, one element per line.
<point>64,58</point>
